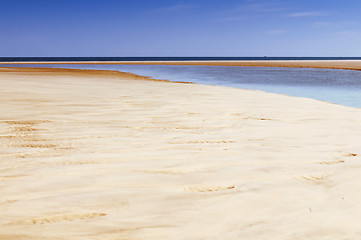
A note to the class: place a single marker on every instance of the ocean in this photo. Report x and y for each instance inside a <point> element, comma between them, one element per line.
<point>330,85</point>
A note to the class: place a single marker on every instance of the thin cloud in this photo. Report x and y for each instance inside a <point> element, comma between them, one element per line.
<point>322,24</point>
<point>275,32</point>
<point>307,14</point>
<point>349,33</point>
<point>257,7</point>
<point>174,8</point>
<point>337,24</point>
<point>252,9</point>
<point>230,19</point>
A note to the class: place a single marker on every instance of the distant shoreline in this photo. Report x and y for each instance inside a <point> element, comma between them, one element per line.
<point>328,64</point>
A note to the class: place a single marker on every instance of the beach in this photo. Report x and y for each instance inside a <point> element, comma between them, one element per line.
<point>88,154</point>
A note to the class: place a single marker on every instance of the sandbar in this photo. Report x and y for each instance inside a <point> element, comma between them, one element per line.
<point>329,64</point>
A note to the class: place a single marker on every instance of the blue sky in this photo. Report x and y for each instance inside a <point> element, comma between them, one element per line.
<point>180,28</point>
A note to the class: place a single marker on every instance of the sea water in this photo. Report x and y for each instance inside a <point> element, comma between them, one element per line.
<point>331,85</point>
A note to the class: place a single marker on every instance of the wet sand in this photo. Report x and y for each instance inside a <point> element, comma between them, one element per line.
<point>100,155</point>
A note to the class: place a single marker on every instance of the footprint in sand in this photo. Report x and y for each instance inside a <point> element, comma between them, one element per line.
<point>26,122</point>
<point>220,141</point>
<point>350,154</point>
<point>7,201</point>
<point>80,162</point>
<point>160,171</point>
<point>4,178</point>
<point>25,126</point>
<point>204,142</point>
<point>34,146</point>
<point>69,217</point>
<point>331,162</point>
<point>207,188</point>
<point>261,119</point>
<point>315,178</point>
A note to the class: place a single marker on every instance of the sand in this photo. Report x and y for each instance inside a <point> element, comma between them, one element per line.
<point>89,155</point>
<point>330,64</point>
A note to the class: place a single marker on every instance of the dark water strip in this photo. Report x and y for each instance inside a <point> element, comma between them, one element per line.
<point>107,59</point>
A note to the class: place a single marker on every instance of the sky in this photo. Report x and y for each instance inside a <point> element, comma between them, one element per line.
<point>166,28</point>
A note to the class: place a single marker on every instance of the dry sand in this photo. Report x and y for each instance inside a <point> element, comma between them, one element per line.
<point>331,64</point>
<point>88,155</point>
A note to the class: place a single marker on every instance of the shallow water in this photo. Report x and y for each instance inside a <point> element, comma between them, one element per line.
<point>331,85</point>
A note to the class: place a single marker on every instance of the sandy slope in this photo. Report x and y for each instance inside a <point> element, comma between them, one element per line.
<point>94,156</point>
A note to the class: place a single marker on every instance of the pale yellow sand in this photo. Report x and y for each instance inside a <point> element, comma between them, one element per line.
<point>92,156</point>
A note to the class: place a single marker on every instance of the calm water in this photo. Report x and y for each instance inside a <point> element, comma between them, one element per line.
<point>336,86</point>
